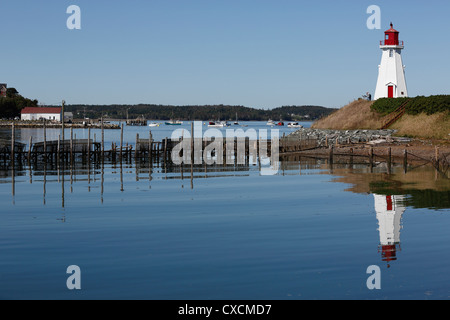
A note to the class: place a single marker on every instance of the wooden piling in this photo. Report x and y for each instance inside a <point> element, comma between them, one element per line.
<point>437,156</point>
<point>58,151</point>
<point>150,147</point>
<point>45,142</point>
<point>192,142</point>
<point>13,143</point>
<point>103,141</point>
<point>30,145</point>
<point>165,152</point>
<point>136,148</point>
<point>71,144</point>
<point>331,153</point>
<point>89,145</point>
<point>63,127</point>
<point>405,160</point>
<point>121,142</point>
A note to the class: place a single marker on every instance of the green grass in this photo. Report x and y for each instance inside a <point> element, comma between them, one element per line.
<point>428,105</point>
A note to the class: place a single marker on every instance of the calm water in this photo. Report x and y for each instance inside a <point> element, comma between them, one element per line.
<point>309,232</point>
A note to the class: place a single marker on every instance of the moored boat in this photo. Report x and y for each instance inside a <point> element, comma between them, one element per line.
<point>218,124</point>
<point>174,123</point>
<point>294,125</point>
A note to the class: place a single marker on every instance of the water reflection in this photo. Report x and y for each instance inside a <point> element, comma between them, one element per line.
<point>393,191</point>
<point>389,209</point>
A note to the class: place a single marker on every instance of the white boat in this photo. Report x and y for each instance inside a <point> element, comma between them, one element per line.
<point>294,125</point>
<point>218,124</point>
<point>174,123</point>
<point>154,124</point>
<point>271,123</point>
<point>236,123</point>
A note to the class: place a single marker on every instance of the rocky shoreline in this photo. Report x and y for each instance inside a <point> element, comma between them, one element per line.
<point>336,137</point>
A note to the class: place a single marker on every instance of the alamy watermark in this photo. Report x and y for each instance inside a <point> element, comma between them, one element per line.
<point>74,20</point>
<point>74,280</point>
<point>374,281</point>
<point>235,147</point>
<point>374,21</point>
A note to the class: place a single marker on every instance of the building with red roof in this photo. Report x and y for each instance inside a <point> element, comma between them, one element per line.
<point>41,113</point>
<point>3,89</point>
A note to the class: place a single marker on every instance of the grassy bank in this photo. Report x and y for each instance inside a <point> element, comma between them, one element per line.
<point>420,121</point>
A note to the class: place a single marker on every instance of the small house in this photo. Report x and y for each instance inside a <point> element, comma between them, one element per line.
<point>3,89</point>
<point>41,113</point>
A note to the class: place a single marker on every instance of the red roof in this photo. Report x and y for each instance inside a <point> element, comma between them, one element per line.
<point>30,110</point>
<point>392,29</point>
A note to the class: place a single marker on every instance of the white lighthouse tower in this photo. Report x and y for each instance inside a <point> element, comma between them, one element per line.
<point>391,75</point>
<point>389,210</point>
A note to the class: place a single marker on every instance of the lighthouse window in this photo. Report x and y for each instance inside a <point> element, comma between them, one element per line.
<point>391,53</point>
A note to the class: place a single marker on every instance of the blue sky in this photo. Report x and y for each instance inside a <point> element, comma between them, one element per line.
<point>261,54</point>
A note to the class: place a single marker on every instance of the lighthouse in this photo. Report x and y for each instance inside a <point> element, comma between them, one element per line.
<point>390,210</point>
<point>391,74</point>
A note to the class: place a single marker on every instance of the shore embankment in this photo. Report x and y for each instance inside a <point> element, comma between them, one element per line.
<point>381,145</point>
<point>359,114</point>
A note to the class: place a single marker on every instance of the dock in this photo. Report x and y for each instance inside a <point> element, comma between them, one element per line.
<point>199,151</point>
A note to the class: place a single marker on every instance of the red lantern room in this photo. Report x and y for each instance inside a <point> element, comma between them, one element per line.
<point>391,37</point>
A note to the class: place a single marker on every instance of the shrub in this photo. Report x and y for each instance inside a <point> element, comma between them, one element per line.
<point>417,105</point>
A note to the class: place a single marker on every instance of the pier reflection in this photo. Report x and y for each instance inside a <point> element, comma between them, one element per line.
<point>392,189</point>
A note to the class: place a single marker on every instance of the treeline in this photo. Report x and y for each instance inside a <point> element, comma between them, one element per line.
<point>417,105</point>
<point>13,103</point>
<point>208,112</point>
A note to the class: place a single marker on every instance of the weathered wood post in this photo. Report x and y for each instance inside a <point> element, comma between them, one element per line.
<point>437,156</point>
<point>165,152</point>
<point>89,145</point>
<point>121,142</point>
<point>30,145</point>
<point>192,142</point>
<point>71,144</point>
<point>13,143</point>
<point>63,128</point>
<point>405,160</point>
<point>45,141</point>
<point>331,154</point>
<point>136,148</point>
<point>103,140</point>
<point>150,148</point>
<point>150,163</point>
<point>58,151</point>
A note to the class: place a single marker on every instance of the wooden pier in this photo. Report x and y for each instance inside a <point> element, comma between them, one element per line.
<point>141,122</point>
<point>235,151</point>
<point>168,152</point>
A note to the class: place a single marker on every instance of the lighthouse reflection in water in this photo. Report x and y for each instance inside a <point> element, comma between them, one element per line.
<point>390,209</point>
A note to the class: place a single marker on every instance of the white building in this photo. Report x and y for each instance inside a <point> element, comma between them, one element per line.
<point>391,75</point>
<point>36,114</point>
<point>389,210</point>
